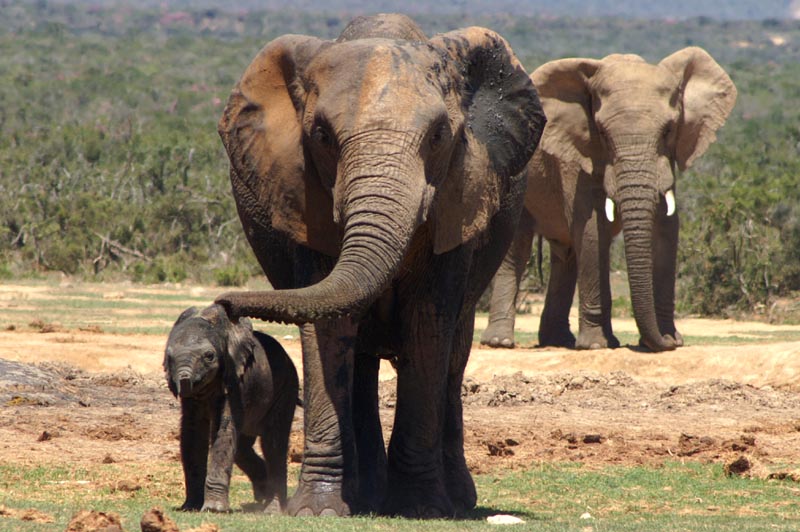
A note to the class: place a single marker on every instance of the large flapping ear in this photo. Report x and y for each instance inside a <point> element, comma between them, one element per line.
<point>708,98</point>
<point>571,139</point>
<point>261,129</point>
<point>503,121</point>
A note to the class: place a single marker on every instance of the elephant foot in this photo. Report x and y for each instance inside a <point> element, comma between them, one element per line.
<point>318,498</point>
<point>274,507</point>
<point>191,505</point>
<point>461,489</point>
<point>595,339</point>
<point>418,501</point>
<point>668,343</point>
<point>262,491</point>
<point>499,334</point>
<point>678,339</point>
<point>216,506</point>
<point>557,339</point>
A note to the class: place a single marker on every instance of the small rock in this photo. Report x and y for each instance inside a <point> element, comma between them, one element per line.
<point>593,438</point>
<point>504,519</point>
<point>154,520</point>
<point>44,436</point>
<point>94,520</point>
<point>586,515</point>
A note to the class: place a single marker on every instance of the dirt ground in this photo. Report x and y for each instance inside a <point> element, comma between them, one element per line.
<point>84,396</point>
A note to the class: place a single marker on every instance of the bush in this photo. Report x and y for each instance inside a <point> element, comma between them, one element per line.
<point>233,275</point>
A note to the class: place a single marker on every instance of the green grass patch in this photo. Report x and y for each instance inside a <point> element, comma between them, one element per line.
<point>547,497</point>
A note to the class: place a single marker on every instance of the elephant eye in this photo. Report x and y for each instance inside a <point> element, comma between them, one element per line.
<point>322,135</point>
<point>209,356</point>
<point>438,134</point>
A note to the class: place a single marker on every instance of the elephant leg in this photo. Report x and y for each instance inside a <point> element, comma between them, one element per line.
<point>275,448</point>
<point>429,312</point>
<point>554,323</point>
<point>252,465</point>
<point>594,288</point>
<point>328,483</point>
<point>372,462</point>
<point>195,433</point>
<point>460,486</point>
<point>221,458</point>
<point>416,486</point>
<point>665,253</point>
<point>505,286</point>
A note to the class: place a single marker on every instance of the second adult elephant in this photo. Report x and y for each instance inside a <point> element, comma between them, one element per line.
<point>617,129</point>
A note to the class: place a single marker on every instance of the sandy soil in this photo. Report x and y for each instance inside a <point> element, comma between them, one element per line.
<point>82,396</point>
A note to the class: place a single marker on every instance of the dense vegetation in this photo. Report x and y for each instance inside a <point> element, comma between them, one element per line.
<point>110,165</point>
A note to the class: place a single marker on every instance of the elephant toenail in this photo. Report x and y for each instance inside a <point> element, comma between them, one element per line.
<point>328,512</point>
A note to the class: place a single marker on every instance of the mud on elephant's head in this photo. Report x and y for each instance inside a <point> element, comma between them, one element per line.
<point>348,147</point>
<point>197,347</point>
<point>629,123</point>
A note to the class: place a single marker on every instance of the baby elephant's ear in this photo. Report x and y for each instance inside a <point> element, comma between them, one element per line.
<point>186,314</point>
<point>503,122</point>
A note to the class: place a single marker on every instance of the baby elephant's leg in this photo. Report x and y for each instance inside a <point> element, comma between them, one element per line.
<point>253,466</point>
<point>275,446</point>
<point>218,478</point>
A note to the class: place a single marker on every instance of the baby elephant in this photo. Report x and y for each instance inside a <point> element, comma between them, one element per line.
<point>234,384</point>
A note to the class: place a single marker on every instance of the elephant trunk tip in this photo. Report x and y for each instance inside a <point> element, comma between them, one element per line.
<point>185,386</point>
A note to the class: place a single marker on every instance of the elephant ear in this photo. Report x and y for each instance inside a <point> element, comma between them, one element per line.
<point>241,349</point>
<point>274,185</point>
<point>503,121</point>
<point>571,140</point>
<point>186,314</point>
<point>708,98</point>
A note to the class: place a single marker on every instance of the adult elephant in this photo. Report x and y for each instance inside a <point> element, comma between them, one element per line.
<point>616,130</point>
<point>377,180</point>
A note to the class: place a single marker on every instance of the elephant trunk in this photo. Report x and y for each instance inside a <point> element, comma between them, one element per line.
<point>380,214</point>
<point>637,205</point>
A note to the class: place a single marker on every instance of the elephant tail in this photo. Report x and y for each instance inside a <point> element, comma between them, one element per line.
<point>539,255</point>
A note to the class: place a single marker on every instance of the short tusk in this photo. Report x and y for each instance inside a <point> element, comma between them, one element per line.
<point>670,197</point>
<point>610,209</point>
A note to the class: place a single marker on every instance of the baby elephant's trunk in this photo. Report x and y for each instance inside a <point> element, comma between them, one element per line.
<point>184,385</point>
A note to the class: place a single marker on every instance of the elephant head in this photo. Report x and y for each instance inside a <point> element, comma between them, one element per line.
<point>200,346</point>
<point>629,123</point>
<point>357,147</point>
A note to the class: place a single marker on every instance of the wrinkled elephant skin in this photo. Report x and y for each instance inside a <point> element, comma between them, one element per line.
<point>377,181</point>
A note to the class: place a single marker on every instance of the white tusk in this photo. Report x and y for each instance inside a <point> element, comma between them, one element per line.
<point>670,197</point>
<point>610,209</point>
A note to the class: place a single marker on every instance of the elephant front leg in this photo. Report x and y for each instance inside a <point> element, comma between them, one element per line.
<point>665,256</point>
<point>594,288</point>
<point>554,323</point>
<point>328,482</point>
<point>505,287</point>
<point>195,432</point>
<point>223,450</point>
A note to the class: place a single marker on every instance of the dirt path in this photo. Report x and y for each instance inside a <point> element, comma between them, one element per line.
<point>82,396</point>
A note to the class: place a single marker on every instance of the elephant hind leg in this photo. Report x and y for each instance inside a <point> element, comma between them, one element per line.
<point>505,287</point>
<point>460,486</point>
<point>372,461</point>
<point>252,465</point>
<point>275,448</point>
<point>554,323</point>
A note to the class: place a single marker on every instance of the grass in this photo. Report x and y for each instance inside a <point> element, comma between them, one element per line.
<point>546,496</point>
<point>113,308</point>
